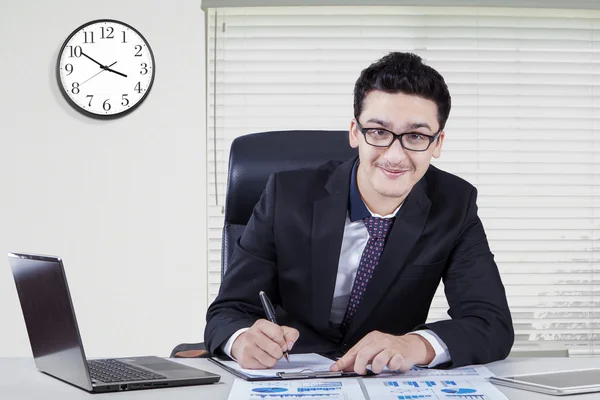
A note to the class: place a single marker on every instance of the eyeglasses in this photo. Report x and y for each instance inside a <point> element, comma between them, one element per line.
<point>412,141</point>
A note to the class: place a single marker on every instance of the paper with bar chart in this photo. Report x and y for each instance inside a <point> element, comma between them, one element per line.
<point>447,388</point>
<point>479,371</point>
<point>326,389</point>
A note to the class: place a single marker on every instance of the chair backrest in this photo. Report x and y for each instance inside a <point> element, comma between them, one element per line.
<point>254,157</point>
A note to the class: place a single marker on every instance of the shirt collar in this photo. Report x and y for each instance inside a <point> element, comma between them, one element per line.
<point>357,209</point>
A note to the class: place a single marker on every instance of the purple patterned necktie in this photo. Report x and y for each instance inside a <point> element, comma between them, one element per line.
<point>378,229</point>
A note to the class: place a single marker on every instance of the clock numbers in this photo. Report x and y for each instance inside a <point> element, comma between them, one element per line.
<point>102,73</point>
<point>110,31</point>
<point>91,37</point>
<point>74,51</point>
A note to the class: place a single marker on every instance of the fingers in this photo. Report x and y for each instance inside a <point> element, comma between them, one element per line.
<point>252,362</point>
<point>255,350</point>
<point>290,336</point>
<point>284,336</point>
<point>394,362</point>
<point>364,357</point>
<point>379,350</point>
<point>269,346</point>
<point>262,345</point>
<point>356,360</point>
<point>269,337</point>
<point>381,360</point>
<point>346,363</point>
<point>399,363</point>
<point>272,331</point>
<point>265,358</point>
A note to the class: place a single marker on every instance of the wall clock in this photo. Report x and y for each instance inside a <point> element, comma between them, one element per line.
<point>105,68</point>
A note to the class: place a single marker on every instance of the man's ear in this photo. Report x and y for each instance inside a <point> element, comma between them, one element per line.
<point>437,150</point>
<point>353,134</point>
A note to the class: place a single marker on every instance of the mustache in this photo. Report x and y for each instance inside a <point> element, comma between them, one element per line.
<point>393,167</point>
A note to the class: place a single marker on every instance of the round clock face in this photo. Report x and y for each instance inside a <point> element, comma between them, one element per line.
<point>105,68</point>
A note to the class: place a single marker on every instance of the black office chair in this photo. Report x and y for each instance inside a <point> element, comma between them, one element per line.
<point>252,159</point>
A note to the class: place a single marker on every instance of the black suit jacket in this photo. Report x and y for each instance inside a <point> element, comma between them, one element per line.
<point>291,248</point>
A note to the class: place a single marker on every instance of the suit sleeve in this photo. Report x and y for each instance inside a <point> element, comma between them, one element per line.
<point>481,329</point>
<point>252,269</point>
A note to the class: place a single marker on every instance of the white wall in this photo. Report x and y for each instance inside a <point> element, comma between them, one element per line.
<point>122,202</point>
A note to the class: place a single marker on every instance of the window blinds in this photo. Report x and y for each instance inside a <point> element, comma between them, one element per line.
<point>523,129</point>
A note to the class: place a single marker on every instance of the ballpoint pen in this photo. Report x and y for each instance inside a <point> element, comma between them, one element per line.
<point>270,312</point>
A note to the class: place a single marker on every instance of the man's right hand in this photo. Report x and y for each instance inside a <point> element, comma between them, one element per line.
<point>261,346</point>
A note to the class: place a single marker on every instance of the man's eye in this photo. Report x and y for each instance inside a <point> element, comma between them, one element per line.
<point>377,132</point>
<point>416,136</point>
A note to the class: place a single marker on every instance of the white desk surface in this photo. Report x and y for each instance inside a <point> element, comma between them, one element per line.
<point>19,380</point>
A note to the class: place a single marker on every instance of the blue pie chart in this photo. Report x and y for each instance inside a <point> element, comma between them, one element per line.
<point>269,390</point>
<point>459,391</point>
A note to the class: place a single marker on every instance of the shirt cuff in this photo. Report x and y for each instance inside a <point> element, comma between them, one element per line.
<point>229,344</point>
<point>442,355</point>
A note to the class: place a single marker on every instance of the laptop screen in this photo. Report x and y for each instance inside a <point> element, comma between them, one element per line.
<point>49,317</point>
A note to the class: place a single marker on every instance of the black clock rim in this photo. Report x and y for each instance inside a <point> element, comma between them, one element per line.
<point>75,105</point>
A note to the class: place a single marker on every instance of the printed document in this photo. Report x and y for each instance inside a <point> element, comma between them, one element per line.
<point>471,371</point>
<point>298,363</point>
<point>446,388</point>
<point>328,389</point>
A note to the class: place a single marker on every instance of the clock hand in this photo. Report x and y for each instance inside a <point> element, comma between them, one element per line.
<point>104,67</point>
<point>81,84</point>
<point>101,66</point>
<point>116,72</point>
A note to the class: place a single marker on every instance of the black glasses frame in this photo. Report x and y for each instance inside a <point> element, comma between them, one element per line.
<point>395,136</point>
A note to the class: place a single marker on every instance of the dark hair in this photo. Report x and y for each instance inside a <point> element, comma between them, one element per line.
<point>405,73</point>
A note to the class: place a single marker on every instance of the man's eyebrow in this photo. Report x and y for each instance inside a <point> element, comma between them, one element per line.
<point>418,125</point>
<point>380,122</point>
<point>388,125</point>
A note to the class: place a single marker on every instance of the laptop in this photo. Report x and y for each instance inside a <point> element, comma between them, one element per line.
<point>56,344</point>
<point>555,383</point>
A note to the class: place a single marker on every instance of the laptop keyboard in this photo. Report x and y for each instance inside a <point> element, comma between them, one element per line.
<point>116,371</point>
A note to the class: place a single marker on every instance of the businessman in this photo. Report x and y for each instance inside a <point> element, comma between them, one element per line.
<point>352,252</point>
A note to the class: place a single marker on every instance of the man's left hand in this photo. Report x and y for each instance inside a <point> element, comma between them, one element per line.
<point>398,353</point>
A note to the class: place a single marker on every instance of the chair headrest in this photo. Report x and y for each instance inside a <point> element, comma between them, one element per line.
<point>254,157</point>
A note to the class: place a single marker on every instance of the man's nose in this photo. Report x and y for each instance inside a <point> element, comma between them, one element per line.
<point>395,154</point>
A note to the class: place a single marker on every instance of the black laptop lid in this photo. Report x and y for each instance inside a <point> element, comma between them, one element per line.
<point>49,317</point>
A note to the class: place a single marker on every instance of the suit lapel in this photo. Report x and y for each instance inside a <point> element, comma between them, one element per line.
<point>404,234</point>
<point>329,218</point>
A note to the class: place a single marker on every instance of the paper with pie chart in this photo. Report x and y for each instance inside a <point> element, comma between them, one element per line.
<point>445,388</point>
<point>326,389</point>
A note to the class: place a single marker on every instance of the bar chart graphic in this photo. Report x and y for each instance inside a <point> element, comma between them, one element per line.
<point>455,388</point>
<point>307,390</point>
<point>418,384</point>
<point>417,371</point>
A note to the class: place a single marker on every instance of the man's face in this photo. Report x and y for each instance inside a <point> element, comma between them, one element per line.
<point>386,174</point>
